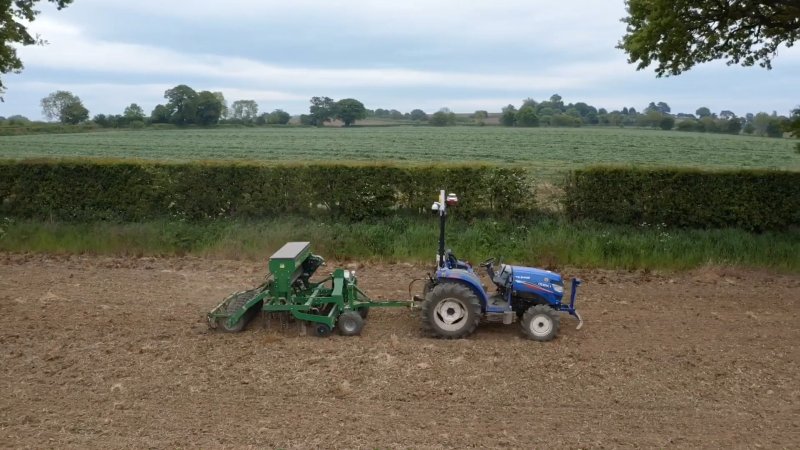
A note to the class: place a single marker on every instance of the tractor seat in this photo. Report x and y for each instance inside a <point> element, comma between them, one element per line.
<point>501,277</point>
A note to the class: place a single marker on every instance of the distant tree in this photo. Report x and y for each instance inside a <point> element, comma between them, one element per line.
<point>768,125</point>
<point>161,114</point>
<point>667,123</point>
<point>509,116</point>
<point>182,103</point>
<point>531,102</point>
<point>101,120</point>
<point>564,120</point>
<point>526,117</point>
<point>74,114</point>
<point>418,115</point>
<point>396,115</point>
<point>584,110</point>
<point>278,117</point>
<point>244,110</point>
<point>15,18</point>
<point>678,34</point>
<point>625,111</point>
<point>774,129</point>
<point>442,118</point>
<point>572,111</point>
<point>726,115</point>
<point>348,110</point>
<point>732,126</point>
<point>322,109</point>
<point>793,126</point>
<point>133,112</point>
<point>650,118</point>
<point>748,128</point>
<point>17,119</point>
<point>380,112</point>
<point>209,108</point>
<point>225,111</point>
<point>703,112</point>
<point>660,107</point>
<point>480,117</point>
<point>687,125</point>
<point>64,106</point>
<point>708,125</point>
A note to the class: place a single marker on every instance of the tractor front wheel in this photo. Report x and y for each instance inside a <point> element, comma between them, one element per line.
<point>540,323</point>
<point>451,311</point>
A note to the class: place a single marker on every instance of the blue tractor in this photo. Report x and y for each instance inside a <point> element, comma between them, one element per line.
<point>455,301</point>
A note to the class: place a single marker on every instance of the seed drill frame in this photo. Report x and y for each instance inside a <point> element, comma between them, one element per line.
<point>289,294</point>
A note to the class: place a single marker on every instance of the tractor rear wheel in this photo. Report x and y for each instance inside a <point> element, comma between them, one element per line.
<point>350,323</point>
<point>237,302</point>
<point>451,311</point>
<point>540,323</point>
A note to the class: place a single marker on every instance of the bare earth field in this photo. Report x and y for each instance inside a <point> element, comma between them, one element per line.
<point>102,352</point>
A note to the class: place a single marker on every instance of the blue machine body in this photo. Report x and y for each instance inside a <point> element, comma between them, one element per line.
<point>543,283</point>
<point>516,284</point>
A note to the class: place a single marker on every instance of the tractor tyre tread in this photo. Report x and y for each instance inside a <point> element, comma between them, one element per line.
<point>534,311</point>
<point>450,290</point>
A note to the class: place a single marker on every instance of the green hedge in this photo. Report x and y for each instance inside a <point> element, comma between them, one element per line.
<point>134,191</point>
<point>751,200</point>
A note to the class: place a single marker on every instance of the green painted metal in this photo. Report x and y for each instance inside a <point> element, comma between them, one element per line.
<point>286,264</point>
<point>288,290</point>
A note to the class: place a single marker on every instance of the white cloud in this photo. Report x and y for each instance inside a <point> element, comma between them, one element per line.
<point>70,49</point>
<point>536,23</point>
<point>544,36</point>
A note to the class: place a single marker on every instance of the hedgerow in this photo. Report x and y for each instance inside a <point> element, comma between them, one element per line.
<point>753,200</point>
<point>134,191</point>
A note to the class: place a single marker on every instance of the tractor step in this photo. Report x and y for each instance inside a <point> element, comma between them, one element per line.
<point>498,311</point>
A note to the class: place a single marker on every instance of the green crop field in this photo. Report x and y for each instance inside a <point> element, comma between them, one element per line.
<point>547,151</point>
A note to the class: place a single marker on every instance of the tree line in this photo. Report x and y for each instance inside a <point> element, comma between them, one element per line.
<point>555,113</point>
<point>185,106</point>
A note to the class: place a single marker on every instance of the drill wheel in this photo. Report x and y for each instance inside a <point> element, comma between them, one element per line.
<point>321,330</point>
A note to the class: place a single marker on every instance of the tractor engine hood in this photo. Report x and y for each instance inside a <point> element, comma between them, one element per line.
<point>529,279</point>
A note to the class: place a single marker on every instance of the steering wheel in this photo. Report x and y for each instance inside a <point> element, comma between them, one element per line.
<point>487,262</point>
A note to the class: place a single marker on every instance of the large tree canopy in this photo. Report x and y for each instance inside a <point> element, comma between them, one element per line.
<point>348,110</point>
<point>678,34</point>
<point>13,30</point>
<point>64,106</point>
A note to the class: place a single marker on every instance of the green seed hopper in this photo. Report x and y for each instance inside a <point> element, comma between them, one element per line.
<point>288,295</point>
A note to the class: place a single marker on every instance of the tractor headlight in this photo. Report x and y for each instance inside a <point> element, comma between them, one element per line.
<point>558,288</point>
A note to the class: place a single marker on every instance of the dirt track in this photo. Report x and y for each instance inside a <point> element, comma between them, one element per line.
<point>106,353</point>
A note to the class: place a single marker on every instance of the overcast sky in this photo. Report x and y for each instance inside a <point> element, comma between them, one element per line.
<point>428,54</point>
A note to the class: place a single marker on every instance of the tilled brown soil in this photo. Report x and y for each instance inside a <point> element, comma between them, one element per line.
<point>105,353</point>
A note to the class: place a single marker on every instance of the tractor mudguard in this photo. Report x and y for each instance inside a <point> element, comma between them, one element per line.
<point>464,277</point>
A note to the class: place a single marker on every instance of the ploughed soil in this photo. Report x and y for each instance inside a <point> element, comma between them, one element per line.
<point>99,352</point>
